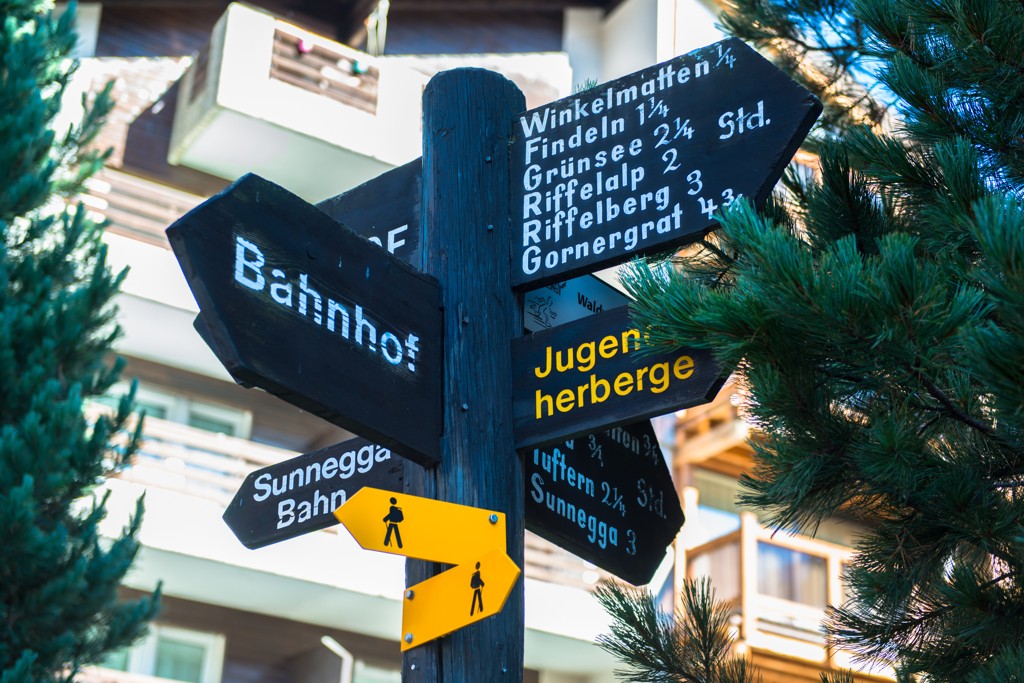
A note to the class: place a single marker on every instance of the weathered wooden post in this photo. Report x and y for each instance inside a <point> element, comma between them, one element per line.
<point>467,116</point>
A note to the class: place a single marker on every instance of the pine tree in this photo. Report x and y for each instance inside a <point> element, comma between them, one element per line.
<point>59,606</point>
<point>692,646</point>
<point>875,315</point>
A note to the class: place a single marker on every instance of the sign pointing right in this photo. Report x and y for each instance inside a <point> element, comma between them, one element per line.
<point>607,497</point>
<point>457,598</point>
<point>641,164</point>
<point>591,375</point>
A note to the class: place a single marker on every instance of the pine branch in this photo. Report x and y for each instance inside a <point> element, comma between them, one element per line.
<point>952,409</point>
<point>692,647</point>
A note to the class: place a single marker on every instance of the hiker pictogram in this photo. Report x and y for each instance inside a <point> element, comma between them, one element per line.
<point>476,583</point>
<point>392,519</point>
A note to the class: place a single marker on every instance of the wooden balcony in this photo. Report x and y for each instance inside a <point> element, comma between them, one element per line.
<point>308,113</point>
<point>714,435</point>
<point>778,586</point>
<point>325,68</point>
<point>134,206</point>
<point>211,466</point>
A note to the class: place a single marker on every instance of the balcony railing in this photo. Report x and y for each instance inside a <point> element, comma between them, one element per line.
<point>212,466</point>
<point>135,207</point>
<point>299,109</point>
<point>714,431</point>
<point>328,69</point>
<point>777,584</point>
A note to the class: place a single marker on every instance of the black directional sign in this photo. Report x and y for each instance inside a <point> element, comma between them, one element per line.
<point>385,210</point>
<point>300,495</point>
<point>296,304</point>
<point>642,163</point>
<point>590,375</point>
<point>607,497</point>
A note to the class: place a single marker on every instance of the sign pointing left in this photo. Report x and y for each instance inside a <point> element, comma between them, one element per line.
<point>297,304</point>
<point>299,495</point>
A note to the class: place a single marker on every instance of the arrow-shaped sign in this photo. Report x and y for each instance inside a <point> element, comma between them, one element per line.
<point>618,484</point>
<point>300,495</point>
<point>384,210</point>
<point>457,598</point>
<point>436,531</point>
<point>421,528</point>
<point>296,304</point>
<point>590,375</point>
<point>643,163</point>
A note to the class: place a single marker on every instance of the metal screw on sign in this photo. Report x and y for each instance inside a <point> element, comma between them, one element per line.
<point>493,519</point>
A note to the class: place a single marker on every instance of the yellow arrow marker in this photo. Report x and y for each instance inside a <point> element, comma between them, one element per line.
<point>456,598</point>
<point>422,528</point>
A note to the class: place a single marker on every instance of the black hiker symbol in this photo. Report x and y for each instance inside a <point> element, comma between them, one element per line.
<point>476,583</point>
<point>392,519</point>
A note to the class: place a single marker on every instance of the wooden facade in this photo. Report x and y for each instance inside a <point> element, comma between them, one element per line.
<point>412,30</point>
<point>777,584</point>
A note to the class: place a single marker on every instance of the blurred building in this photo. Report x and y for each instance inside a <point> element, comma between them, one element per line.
<point>319,96</point>
<point>777,583</point>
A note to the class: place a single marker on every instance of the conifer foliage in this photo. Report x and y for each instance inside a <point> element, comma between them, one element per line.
<point>693,646</point>
<point>59,607</point>
<point>875,313</point>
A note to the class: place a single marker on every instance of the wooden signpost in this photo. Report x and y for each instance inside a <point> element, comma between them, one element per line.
<point>422,349</point>
<point>299,306</point>
<point>300,495</point>
<point>607,497</point>
<point>641,164</point>
<point>384,210</point>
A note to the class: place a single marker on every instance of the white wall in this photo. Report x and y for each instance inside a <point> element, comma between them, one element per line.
<point>629,38</point>
<point>637,34</point>
<point>582,40</point>
<point>87,23</point>
<point>685,25</point>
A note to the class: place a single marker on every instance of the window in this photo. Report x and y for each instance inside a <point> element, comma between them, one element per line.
<point>176,654</point>
<point>791,575</point>
<point>165,405</point>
